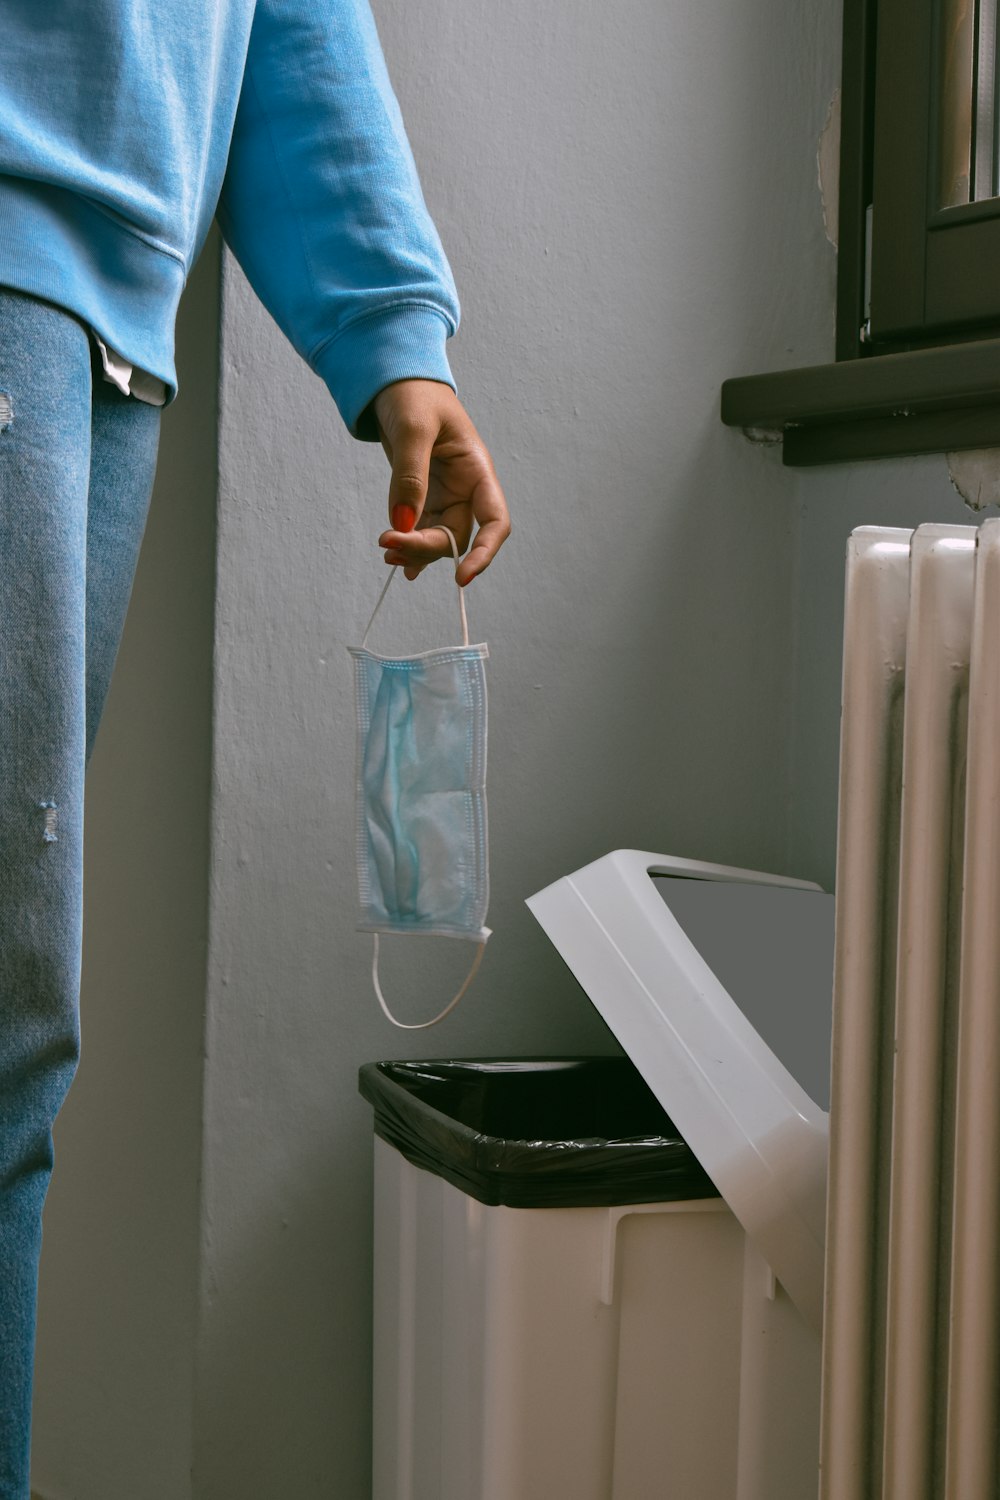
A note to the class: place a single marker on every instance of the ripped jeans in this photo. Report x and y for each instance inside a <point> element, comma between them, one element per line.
<point>76,469</point>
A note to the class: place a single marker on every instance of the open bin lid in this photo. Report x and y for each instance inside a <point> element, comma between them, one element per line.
<point>641,948</point>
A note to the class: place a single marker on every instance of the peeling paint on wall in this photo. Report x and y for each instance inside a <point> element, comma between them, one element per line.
<point>828,169</point>
<point>975,474</point>
<point>766,437</point>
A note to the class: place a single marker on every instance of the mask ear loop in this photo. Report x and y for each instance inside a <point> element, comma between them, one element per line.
<point>480,946</point>
<point>461,592</point>
<point>422,1025</point>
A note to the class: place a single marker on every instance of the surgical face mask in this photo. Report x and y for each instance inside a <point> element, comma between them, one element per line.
<point>422,856</point>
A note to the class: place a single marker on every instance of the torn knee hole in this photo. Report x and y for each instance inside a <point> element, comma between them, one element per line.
<point>51,811</point>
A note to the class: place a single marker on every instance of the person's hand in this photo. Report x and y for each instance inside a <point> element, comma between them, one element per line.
<point>442,475</point>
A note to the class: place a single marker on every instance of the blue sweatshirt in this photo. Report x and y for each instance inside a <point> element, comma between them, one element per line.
<point>125,125</point>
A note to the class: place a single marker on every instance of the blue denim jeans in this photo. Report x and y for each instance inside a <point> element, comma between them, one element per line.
<point>76,470</point>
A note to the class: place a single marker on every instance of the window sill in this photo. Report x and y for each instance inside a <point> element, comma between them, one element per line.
<point>883,406</point>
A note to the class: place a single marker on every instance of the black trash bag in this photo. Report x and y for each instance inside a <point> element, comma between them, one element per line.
<point>535,1133</point>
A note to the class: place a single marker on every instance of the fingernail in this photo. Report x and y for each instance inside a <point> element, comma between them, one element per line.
<point>404,518</point>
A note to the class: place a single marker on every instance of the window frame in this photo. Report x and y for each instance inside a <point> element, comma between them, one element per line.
<point>857,130</point>
<point>912,386</point>
<point>929,265</point>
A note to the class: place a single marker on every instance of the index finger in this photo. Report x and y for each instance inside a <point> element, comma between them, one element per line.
<point>425,545</point>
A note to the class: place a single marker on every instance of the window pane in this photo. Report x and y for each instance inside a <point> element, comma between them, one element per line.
<point>984,153</point>
<point>958,38</point>
<point>970,117</point>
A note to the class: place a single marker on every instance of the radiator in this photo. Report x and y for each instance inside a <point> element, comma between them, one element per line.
<point>911,1353</point>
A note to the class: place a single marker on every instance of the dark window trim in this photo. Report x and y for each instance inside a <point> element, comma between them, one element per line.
<point>924,396</point>
<point>920,401</point>
<point>857,114</point>
<point>930,265</point>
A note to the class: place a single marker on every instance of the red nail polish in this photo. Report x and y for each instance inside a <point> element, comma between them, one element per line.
<point>404,518</point>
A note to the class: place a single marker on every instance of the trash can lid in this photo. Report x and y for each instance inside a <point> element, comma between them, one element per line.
<point>724,1072</point>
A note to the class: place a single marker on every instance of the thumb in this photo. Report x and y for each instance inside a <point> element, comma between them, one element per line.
<point>411,461</point>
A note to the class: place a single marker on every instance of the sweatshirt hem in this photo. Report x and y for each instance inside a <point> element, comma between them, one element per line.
<point>58,245</point>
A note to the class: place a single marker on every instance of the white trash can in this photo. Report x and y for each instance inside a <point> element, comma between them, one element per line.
<point>565,1306</point>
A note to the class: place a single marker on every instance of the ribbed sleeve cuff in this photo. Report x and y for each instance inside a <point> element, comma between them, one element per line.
<point>400,343</point>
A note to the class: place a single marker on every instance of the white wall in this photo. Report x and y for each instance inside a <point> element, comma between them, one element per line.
<point>628,197</point>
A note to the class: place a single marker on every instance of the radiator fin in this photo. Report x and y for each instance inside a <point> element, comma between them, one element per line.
<point>911,1354</point>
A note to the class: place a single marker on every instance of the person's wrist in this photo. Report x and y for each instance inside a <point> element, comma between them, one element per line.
<point>416,391</point>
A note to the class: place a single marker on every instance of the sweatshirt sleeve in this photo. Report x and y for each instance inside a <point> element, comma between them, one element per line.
<point>322,206</point>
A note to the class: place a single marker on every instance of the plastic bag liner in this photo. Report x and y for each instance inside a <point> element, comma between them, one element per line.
<point>545,1133</point>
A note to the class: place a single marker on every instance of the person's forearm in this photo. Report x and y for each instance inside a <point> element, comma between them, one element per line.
<point>322,205</point>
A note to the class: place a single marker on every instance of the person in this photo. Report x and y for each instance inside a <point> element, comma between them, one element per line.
<point>127,127</point>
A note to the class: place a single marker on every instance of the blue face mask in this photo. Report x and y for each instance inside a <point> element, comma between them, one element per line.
<point>421,794</point>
